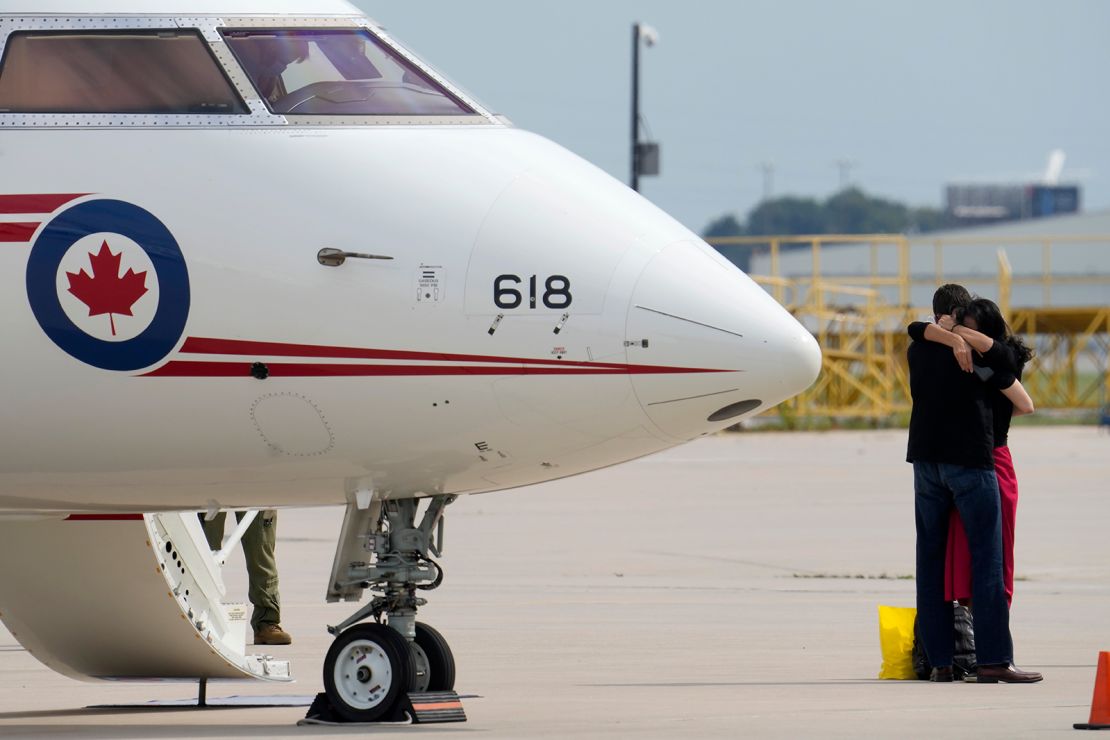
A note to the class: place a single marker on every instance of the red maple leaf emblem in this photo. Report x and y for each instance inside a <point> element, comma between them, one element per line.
<point>104,291</point>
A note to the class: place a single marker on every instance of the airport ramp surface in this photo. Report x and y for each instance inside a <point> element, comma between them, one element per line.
<point>723,589</point>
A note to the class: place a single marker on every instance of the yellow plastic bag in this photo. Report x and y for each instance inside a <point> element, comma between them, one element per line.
<point>896,638</point>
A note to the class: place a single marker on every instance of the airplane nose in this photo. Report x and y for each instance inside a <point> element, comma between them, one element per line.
<point>729,349</point>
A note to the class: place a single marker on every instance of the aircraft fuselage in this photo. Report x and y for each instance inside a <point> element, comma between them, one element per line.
<point>176,341</point>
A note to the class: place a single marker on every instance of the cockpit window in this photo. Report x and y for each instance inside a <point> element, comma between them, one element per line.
<point>113,72</point>
<point>337,73</point>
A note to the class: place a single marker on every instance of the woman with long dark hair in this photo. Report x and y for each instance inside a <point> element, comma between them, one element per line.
<point>980,326</point>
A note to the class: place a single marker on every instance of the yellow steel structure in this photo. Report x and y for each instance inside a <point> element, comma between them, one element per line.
<point>1071,339</point>
<point>860,319</point>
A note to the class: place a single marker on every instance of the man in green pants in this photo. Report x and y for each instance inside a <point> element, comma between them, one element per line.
<point>258,549</point>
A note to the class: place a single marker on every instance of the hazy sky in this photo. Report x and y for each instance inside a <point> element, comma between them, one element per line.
<point>915,94</point>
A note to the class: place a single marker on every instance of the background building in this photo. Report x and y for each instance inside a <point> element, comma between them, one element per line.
<point>968,205</point>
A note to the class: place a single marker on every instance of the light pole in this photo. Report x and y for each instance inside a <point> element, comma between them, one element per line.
<point>645,156</point>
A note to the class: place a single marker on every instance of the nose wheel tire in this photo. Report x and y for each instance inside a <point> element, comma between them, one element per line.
<point>435,664</point>
<point>368,668</point>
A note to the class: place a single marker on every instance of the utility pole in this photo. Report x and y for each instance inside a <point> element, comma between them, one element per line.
<point>844,167</point>
<point>768,169</point>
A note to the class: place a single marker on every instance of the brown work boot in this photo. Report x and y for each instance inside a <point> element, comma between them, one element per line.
<point>271,634</point>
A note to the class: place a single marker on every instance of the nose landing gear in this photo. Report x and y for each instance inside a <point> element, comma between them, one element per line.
<point>372,669</point>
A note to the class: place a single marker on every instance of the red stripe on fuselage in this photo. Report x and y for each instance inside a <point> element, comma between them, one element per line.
<point>255,350</point>
<point>16,233</point>
<point>190,369</point>
<point>35,203</point>
<point>200,346</point>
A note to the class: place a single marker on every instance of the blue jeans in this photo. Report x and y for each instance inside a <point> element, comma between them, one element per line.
<point>974,492</point>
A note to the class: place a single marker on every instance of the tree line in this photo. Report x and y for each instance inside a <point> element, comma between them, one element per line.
<point>850,211</point>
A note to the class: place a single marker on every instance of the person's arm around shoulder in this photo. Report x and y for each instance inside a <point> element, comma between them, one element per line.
<point>979,342</point>
<point>1019,397</point>
<point>934,333</point>
<point>996,355</point>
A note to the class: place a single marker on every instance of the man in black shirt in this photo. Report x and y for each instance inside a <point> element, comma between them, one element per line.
<point>951,448</point>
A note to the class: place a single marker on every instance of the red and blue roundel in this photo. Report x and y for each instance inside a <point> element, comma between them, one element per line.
<point>108,284</point>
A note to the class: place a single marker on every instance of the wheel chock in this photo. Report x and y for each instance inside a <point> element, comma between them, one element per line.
<point>323,713</point>
<point>1100,704</point>
<point>413,708</point>
<point>435,706</point>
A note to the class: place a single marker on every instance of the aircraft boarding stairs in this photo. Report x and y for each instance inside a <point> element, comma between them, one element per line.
<point>126,597</point>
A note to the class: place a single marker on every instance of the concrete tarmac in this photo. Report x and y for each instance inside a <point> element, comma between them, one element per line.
<point>727,588</point>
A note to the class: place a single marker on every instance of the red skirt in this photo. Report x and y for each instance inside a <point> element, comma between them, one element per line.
<point>957,567</point>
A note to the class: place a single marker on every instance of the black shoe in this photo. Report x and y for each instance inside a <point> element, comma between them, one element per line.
<point>941,674</point>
